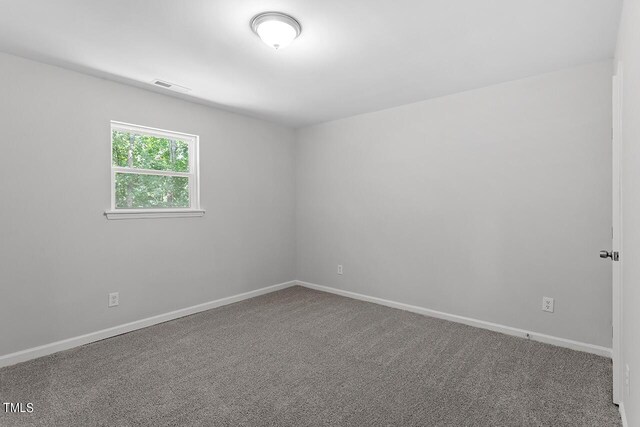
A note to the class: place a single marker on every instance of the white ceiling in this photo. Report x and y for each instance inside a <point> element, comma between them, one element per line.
<point>353,56</point>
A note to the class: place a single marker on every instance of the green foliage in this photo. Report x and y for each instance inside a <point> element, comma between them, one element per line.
<point>134,191</point>
<point>149,152</point>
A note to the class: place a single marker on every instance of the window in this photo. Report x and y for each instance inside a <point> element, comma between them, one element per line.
<point>154,173</point>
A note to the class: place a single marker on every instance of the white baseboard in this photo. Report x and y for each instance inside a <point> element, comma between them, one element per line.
<point>623,415</point>
<point>44,350</point>
<point>548,339</point>
<point>54,347</point>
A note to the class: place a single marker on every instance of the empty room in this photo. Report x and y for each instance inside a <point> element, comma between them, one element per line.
<point>320,213</point>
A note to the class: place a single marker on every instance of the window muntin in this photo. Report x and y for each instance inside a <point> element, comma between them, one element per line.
<point>152,169</point>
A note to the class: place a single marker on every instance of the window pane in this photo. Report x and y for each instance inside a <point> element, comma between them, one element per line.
<point>136,191</point>
<point>134,150</point>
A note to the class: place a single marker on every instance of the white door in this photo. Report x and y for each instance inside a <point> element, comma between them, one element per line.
<point>616,231</point>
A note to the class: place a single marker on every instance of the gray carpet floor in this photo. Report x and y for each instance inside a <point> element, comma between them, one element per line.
<point>300,357</point>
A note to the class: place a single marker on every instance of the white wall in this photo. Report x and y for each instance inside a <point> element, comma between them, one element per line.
<point>59,256</point>
<point>476,204</point>
<point>628,51</point>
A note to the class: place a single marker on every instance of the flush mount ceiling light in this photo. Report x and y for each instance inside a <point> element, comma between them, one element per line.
<point>276,29</point>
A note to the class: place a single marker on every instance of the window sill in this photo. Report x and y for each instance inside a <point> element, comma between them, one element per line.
<point>124,214</point>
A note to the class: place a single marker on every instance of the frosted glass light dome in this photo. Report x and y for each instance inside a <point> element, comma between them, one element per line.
<point>276,29</point>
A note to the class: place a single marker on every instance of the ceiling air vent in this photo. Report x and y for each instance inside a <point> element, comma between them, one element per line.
<point>171,86</point>
<point>163,84</point>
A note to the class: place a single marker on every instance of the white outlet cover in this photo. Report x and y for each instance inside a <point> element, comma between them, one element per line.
<point>339,269</point>
<point>627,380</point>
<point>547,304</point>
<point>114,299</point>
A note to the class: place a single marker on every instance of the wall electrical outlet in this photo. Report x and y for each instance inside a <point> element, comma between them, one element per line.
<point>627,380</point>
<point>339,268</point>
<point>114,299</point>
<point>547,304</point>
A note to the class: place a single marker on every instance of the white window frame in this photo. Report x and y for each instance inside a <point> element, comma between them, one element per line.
<point>193,174</point>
